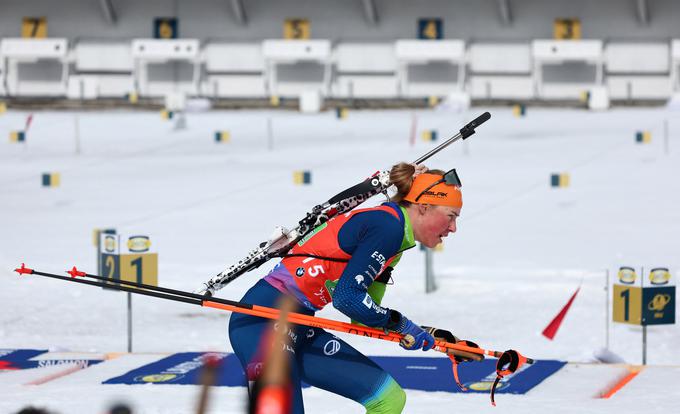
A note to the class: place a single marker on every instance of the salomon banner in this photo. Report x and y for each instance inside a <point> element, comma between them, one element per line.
<point>15,359</point>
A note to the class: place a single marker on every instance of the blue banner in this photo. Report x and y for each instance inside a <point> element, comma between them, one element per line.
<point>13,359</point>
<point>16,358</point>
<point>416,373</point>
<point>435,374</point>
<point>185,368</point>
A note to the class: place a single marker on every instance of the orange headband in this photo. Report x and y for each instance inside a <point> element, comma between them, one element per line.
<point>440,194</point>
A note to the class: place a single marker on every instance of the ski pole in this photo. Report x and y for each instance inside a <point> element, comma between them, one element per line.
<point>464,132</point>
<point>508,362</point>
<point>248,309</point>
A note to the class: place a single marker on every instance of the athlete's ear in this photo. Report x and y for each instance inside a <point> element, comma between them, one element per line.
<point>422,208</point>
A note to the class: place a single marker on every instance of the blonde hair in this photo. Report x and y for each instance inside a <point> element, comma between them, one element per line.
<point>401,176</point>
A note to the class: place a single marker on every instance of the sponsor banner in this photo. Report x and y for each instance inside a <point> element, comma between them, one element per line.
<point>15,359</point>
<point>416,373</point>
<point>185,368</point>
<point>11,359</point>
<point>435,374</point>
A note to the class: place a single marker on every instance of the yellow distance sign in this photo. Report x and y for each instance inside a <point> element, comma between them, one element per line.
<point>138,268</point>
<point>627,302</point>
<point>34,27</point>
<point>296,29</point>
<point>110,265</point>
<point>430,29</point>
<point>165,28</point>
<point>567,29</point>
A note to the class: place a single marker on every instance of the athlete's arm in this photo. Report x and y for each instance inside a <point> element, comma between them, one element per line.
<point>371,238</point>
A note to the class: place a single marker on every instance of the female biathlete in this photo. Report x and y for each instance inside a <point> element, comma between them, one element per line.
<point>348,261</point>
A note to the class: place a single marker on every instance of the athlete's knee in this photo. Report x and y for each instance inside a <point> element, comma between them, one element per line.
<point>400,399</point>
<point>390,401</point>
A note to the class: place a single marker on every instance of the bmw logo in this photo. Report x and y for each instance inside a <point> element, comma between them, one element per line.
<point>300,271</point>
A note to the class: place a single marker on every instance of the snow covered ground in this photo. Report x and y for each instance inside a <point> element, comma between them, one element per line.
<point>521,250</point>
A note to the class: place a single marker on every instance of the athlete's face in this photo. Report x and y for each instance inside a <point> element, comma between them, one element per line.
<point>435,223</point>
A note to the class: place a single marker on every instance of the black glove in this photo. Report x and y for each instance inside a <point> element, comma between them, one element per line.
<point>447,336</point>
<point>441,334</point>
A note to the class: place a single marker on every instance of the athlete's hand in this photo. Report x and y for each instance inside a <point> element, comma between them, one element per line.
<point>415,337</point>
<point>447,336</point>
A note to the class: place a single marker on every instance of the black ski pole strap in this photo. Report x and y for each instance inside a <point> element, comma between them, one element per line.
<point>508,363</point>
<point>493,389</point>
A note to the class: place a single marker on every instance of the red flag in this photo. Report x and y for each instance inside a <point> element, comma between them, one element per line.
<point>29,119</point>
<point>550,330</point>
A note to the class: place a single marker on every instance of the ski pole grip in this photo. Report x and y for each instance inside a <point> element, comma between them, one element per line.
<point>469,129</point>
